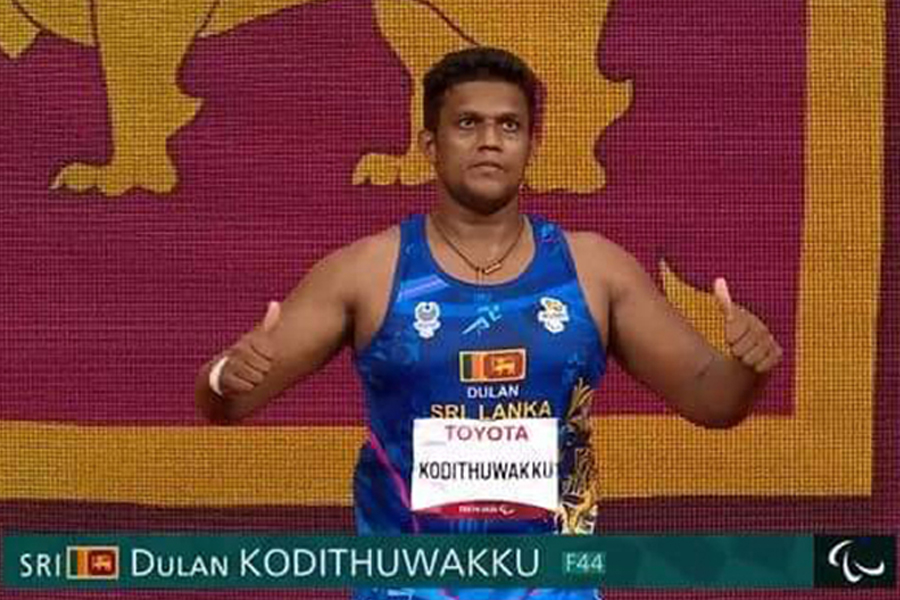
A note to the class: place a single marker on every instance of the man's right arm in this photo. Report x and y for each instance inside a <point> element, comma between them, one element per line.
<point>295,338</point>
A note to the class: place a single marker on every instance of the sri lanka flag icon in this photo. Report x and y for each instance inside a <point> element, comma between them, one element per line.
<point>92,562</point>
<point>492,365</point>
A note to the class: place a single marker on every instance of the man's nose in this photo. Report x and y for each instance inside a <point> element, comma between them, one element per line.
<point>490,136</point>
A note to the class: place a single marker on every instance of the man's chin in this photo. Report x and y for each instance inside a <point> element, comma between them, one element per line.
<point>487,202</point>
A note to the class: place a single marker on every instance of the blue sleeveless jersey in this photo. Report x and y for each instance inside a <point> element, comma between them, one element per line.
<point>525,349</point>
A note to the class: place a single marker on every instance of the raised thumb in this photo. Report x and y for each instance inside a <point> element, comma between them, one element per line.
<point>273,313</point>
<point>723,297</point>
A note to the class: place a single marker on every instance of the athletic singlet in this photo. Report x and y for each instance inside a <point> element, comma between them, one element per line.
<point>505,358</point>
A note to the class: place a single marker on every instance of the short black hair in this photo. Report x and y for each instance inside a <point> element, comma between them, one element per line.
<point>481,63</point>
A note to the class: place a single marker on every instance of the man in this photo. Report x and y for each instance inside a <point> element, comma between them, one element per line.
<point>476,313</point>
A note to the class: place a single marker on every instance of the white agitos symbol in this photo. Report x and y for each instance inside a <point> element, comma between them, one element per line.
<point>845,562</point>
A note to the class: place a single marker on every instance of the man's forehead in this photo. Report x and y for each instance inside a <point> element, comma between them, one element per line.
<point>486,97</point>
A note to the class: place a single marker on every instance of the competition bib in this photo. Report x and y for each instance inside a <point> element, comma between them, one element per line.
<point>473,469</point>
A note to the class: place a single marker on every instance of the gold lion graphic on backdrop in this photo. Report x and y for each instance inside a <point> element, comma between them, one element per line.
<point>146,106</point>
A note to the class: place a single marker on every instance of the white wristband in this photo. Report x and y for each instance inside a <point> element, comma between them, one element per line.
<point>215,374</point>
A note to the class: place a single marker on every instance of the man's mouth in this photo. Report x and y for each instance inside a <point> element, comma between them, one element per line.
<point>488,165</point>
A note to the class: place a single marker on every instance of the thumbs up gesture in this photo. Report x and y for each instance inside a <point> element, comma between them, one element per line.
<point>250,359</point>
<point>747,337</point>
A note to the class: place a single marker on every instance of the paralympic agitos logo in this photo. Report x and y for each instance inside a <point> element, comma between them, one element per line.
<point>855,561</point>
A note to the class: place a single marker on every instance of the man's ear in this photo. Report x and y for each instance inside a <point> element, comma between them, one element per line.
<point>426,145</point>
<point>534,148</point>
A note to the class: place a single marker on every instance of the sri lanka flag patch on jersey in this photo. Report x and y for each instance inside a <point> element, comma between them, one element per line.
<point>492,365</point>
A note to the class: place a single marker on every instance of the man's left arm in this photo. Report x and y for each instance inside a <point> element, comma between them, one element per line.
<point>655,344</point>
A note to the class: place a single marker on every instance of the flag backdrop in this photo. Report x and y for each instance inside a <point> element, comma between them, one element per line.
<point>167,168</point>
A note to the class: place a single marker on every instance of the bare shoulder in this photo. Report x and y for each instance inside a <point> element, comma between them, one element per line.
<point>598,262</point>
<point>368,266</point>
<point>344,273</point>
<point>362,256</point>
<point>598,257</point>
<point>590,242</point>
<point>368,251</point>
<point>365,267</point>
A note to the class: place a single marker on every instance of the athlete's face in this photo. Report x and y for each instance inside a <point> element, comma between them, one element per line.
<point>482,144</point>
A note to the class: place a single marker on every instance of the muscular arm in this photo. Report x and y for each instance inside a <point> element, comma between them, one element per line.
<point>656,345</point>
<point>315,322</point>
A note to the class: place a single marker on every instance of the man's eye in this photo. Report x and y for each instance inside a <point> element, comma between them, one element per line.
<point>511,126</point>
<point>467,122</point>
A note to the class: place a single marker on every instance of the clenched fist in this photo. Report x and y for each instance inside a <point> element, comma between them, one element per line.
<point>747,336</point>
<point>249,360</point>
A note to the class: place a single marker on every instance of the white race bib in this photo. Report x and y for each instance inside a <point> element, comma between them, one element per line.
<point>468,468</point>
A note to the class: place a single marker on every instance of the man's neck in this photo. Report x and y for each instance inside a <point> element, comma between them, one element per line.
<point>477,230</point>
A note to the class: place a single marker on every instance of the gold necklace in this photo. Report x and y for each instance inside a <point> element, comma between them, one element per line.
<point>492,266</point>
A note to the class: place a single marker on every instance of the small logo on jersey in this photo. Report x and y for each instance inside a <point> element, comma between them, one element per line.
<point>428,319</point>
<point>487,315</point>
<point>492,365</point>
<point>93,562</point>
<point>555,314</point>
